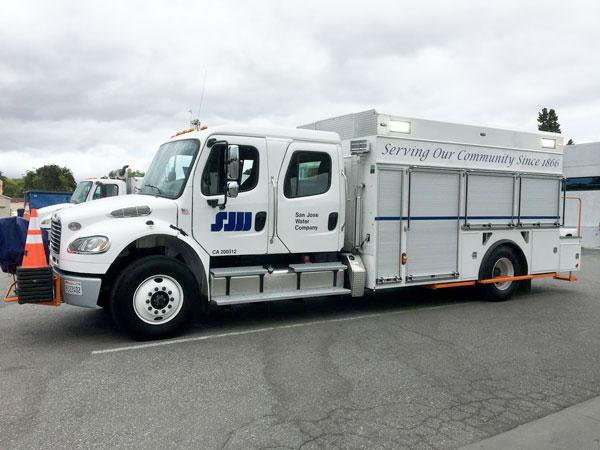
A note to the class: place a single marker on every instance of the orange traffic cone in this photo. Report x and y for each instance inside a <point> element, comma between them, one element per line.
<point>35,254</point>
<point>35,281</point>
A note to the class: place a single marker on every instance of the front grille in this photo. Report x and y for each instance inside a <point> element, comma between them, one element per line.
<point>55,232</point>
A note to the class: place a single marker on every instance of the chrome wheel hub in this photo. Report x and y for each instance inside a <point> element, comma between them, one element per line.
<point>158,299</point>
<point>503,268</point>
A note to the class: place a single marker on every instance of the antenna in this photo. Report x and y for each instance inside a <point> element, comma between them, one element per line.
<point>202,94</point>
<point>196,122</point>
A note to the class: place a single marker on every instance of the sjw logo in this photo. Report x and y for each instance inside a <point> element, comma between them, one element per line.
<point>232,221</point>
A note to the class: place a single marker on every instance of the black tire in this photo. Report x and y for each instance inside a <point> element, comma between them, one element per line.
<point>143,278</point>
<point>498,292</point>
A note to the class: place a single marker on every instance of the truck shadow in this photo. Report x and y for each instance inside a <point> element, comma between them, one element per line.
<point>326,308</point>
<point>97,324</point>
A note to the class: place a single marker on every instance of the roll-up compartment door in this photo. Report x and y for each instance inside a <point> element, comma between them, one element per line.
<point>539,201</point>
<point>432,238</point>
<point>490,198</point>
<point>389,212</point>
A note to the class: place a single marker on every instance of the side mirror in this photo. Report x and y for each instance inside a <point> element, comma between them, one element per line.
<point>232,189</point>
<point>232,172</point>
<point>232,162</point>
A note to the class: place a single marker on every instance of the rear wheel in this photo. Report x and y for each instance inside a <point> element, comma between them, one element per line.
<point>502,262</point>
<point>154,297</point>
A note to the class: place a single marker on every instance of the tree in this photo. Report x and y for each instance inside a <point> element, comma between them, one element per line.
<point>548,121</point>
<point>571,142</point>
<point>50,177</point>
<point>13,187</point>
<point>135,173</point>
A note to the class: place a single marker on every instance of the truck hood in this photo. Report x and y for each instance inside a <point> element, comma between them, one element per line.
<point>48,210</point>
<point>92,212</point>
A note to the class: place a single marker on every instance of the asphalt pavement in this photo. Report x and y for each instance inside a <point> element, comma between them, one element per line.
<point>412,369</point>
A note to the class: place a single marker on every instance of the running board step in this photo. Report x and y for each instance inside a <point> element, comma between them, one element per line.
<point>230,285</point>
<point>238,271</point>
<point>222,300</point>
<point>317,267</point>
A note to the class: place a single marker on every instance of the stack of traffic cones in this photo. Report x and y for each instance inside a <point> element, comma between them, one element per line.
<point>35,283</point>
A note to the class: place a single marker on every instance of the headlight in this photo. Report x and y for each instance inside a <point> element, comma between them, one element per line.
<point>46,221</point>
<point>89,245</point>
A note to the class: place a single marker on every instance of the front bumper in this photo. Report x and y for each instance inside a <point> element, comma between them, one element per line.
<point>79,290</point>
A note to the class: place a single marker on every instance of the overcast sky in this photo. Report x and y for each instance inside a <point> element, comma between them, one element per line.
<point>95,85</point>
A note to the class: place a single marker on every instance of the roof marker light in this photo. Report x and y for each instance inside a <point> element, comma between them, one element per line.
<point>400,126</point>
<point>548,143</point>
<point>179,133</point>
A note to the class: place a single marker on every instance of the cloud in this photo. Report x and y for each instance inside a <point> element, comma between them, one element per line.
<point>95,85</point>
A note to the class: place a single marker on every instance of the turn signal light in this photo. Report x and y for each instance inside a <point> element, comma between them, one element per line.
<point>404,259</point>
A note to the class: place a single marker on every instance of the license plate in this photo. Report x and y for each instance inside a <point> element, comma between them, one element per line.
<point>73,287</point>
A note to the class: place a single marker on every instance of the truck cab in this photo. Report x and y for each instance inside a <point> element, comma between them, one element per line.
<point>229,215</point>
<point>92,189</point>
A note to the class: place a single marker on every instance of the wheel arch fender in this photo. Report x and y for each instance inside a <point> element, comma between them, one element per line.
<point>175,246</point>
<point>504,242</point>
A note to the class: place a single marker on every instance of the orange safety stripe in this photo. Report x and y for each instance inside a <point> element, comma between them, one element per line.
<point>554,275</point>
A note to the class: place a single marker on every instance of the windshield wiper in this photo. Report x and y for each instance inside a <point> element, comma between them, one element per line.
<point>155,187</point>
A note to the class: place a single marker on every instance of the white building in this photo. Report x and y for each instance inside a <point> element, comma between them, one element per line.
<point>582,170</point>
<point>4,206</point>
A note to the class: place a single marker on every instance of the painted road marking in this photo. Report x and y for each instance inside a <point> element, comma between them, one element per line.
<point>264,330</point>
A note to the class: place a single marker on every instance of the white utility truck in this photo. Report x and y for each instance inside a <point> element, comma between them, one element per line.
<point>118,182</point>
<point>354,204</point>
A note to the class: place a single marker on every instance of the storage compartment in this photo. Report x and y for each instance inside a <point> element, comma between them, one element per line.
<point>244,285</point>
<point>433,225</point>
<point>389,224</point>
<point>544,251</point>
<point>280,281</point>
<point>570,254</point>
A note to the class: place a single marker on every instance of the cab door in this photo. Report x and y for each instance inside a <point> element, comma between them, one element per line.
<point>239,226</point>
<point>308,201</point>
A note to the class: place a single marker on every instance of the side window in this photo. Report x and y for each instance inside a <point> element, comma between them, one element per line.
<point>213,176</point>
<point>583,184</point>
<point>112,190</point>
<point>105,190</point>
<point>309,173</point>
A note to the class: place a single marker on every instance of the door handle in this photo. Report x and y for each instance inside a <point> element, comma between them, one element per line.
<point>332,221</point>
<point>274,186</point>
<point>260,220</point>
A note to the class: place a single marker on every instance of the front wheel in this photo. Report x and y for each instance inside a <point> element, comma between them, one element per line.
<point>502,262</point>
<point>154,297</point>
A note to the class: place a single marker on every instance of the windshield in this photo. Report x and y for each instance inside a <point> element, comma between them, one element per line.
<point>81,192</point>
<point>170,168</point>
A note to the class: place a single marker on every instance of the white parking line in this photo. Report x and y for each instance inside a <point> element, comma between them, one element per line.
<point>263,330</point>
